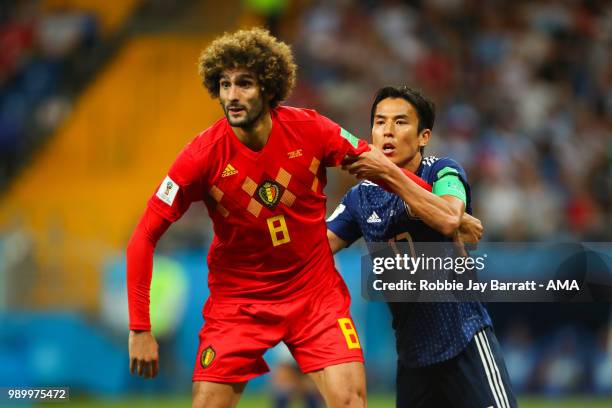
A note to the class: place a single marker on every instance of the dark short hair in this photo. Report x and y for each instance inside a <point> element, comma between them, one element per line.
<point>425,109</point>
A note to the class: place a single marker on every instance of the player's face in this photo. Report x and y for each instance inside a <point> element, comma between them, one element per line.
<point>241,98</point>
<point>395,131</point>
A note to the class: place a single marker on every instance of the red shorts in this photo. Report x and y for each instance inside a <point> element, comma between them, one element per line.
<point>317,329</point>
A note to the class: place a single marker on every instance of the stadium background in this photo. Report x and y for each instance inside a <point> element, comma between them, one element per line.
<point>97,98</point>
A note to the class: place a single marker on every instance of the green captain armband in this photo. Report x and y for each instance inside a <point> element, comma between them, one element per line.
<point>348,136</point>
<point>449,183</point>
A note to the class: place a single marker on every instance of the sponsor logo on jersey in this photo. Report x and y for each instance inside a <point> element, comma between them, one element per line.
<point>167,190</point>
<point>229,171</point>
<point>374,218</point>
<point>269,193</point>
<point>207,356</point>
<point>294,154</point>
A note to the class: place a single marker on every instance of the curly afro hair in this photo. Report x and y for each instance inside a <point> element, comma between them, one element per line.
<point>269,59</point>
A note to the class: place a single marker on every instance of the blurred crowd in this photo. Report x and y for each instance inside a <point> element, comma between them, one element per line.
<point>567,360</point>
<point>523,93</point>
<point>42,60</point>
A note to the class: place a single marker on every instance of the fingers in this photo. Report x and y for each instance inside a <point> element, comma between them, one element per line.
<point>351,166</point>
<point>155,365</point>
<point>467,237</point>
<point>143,354</point>
<point>146,369</point>
<point>355,167</point>
<point>478,233</point>
<point>349,160</point>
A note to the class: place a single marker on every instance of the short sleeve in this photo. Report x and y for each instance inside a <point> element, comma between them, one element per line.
<point>182,185</point>
<point>338,142</point>
<point>342,221</point>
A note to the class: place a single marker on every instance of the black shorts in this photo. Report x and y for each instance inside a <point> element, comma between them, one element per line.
<point>475,378</point>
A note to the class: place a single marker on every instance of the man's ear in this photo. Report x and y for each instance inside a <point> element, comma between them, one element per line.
<point>424,137</point>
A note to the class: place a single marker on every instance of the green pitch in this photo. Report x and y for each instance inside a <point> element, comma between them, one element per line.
<point>257,401</point>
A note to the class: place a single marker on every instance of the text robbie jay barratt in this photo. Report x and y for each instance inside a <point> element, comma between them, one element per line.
<point>472,285</point>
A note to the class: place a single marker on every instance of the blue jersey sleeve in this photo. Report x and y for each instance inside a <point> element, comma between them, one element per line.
<point>343,222</point>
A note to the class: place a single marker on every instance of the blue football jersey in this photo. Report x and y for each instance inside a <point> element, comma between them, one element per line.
<point>426,333</point>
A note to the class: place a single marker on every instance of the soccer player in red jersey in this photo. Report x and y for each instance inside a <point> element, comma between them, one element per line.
<point>260,171</point>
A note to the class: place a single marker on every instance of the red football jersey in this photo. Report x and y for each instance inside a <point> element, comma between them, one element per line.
<point>268,207</point>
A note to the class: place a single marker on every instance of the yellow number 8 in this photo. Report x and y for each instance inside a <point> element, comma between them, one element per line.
<point>350,334</point>
<point>278,230</point>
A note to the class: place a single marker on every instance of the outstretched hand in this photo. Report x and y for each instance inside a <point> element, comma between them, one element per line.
<point>144,357</point>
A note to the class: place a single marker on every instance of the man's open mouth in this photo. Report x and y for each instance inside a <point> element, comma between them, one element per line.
<point>235,110</point>
<point>388,148</point>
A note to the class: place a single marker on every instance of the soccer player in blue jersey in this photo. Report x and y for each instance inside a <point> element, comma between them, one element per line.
<point>448,355</point>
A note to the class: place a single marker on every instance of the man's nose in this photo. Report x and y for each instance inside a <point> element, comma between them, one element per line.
<point>232,93</point>
<point>389,129</point>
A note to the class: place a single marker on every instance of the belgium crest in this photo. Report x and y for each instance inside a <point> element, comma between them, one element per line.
<point>207,356</point>
<point>269,193</point>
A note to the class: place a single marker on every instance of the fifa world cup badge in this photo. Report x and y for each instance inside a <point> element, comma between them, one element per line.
<point>169,186</point>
